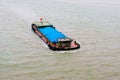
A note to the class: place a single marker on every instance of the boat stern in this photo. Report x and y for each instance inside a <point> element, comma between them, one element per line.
<point>65,44</point>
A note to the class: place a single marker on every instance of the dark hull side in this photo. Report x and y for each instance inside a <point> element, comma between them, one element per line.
<point>35,29</point>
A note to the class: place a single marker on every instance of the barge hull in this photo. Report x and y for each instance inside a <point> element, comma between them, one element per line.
<point>50,36</point>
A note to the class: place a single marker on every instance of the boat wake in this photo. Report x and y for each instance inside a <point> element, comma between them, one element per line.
<point>65,52</point>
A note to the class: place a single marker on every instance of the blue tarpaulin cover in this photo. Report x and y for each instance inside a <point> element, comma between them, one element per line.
<point>51,34</point>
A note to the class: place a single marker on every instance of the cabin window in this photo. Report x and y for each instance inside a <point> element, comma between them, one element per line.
<point>65,44</point>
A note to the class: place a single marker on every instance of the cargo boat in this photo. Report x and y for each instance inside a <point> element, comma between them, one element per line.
<point>52,37</point>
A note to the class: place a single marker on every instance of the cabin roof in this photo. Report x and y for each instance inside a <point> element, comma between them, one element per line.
<point>43,23</point>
